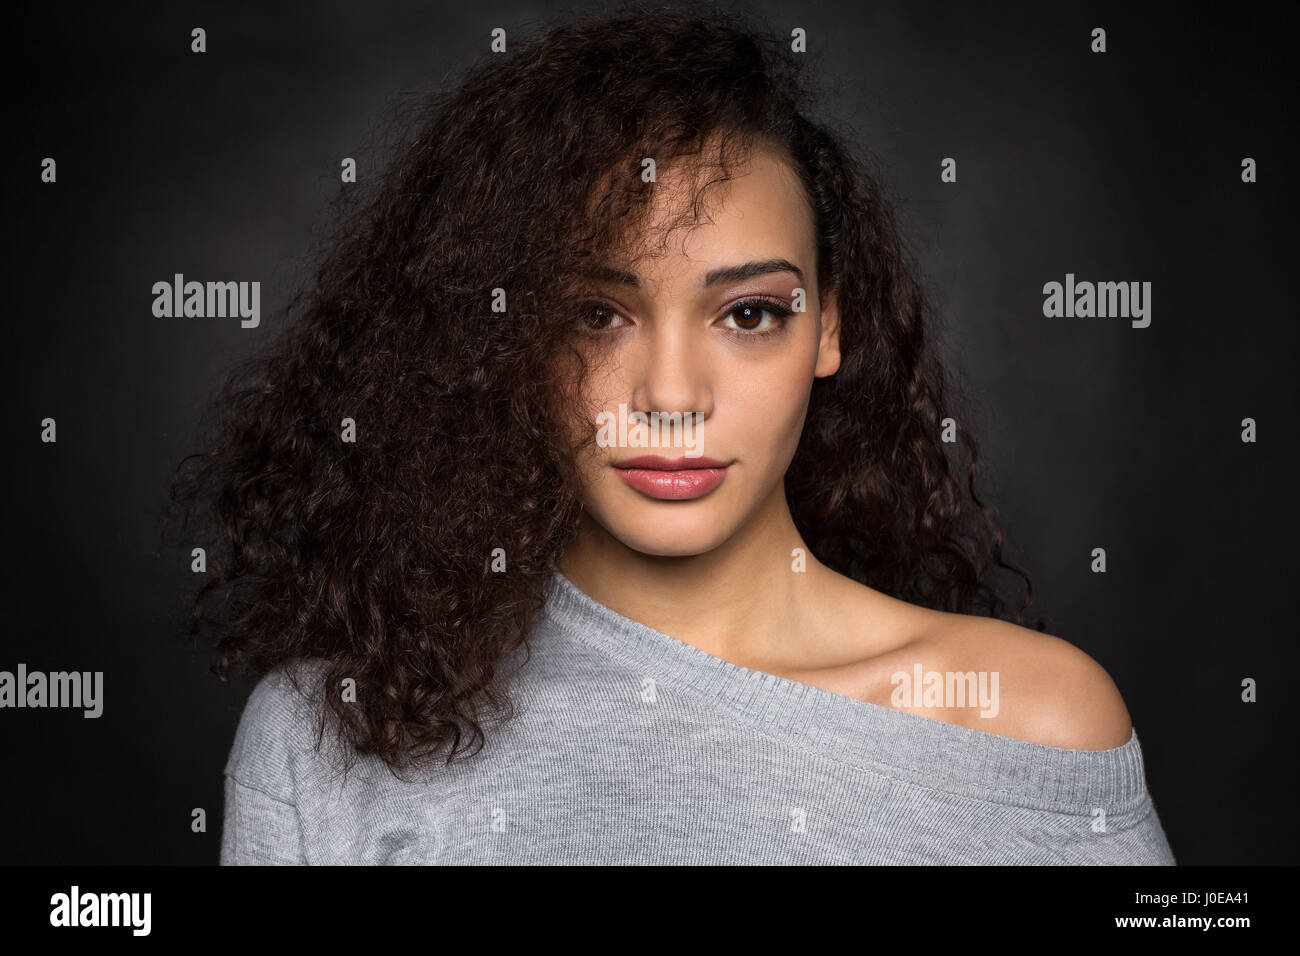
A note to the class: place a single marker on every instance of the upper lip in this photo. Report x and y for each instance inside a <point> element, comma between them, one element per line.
<point>659,463</point>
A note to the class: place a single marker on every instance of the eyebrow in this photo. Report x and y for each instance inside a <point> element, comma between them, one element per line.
<point>737,273</point>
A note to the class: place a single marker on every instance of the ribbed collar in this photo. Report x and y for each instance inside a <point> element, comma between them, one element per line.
<point>902,745</point>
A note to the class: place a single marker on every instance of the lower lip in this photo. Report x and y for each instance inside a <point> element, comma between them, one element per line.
<point>680,485</point>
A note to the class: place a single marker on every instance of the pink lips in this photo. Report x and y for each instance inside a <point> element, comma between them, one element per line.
<point>673,479</point>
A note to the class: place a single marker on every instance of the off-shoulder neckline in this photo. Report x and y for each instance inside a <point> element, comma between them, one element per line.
<point>911,747</point>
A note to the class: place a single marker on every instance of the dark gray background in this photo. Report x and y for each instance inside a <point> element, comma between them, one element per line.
<point>1122,166</point>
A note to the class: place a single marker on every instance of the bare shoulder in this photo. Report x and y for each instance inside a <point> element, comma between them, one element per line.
<point>1050,692</point>
<point>978,672</point>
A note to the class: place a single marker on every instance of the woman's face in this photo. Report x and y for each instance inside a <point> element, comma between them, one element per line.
<point>729,378</point>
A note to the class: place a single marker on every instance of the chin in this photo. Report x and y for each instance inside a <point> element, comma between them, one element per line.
<point>670,549</point>
<point>670,536</point>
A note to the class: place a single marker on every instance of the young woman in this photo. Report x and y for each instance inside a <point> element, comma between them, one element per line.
<point>597,503</point>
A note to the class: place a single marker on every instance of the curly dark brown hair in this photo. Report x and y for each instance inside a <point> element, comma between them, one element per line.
<point>372,556</point>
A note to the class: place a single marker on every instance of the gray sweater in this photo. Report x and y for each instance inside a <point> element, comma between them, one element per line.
<point>634,747</point>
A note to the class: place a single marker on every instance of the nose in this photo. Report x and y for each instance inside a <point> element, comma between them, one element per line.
<point>672,374</point>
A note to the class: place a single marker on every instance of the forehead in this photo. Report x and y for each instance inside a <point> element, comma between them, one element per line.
<point>703,222</point>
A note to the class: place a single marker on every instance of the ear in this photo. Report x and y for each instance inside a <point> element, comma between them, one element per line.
<point>828,349</point>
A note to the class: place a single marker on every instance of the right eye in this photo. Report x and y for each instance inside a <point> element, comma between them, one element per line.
<point>600,317</point>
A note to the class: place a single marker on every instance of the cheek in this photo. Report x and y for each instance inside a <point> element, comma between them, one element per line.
<point>769,402</point>
<point>579,402</point>
<point>603,390</point>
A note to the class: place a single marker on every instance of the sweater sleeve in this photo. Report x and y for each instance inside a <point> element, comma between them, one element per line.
<point>261,824</point>
<point>259,829</point>
<point>1112,820</point>
<point>1140,840</point>
<point>1133,838</point>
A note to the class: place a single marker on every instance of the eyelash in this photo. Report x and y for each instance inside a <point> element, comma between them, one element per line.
<point>778,311</point>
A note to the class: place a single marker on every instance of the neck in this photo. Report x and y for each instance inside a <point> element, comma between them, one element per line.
<point>740,601</point>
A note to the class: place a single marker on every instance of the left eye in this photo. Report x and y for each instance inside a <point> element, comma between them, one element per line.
<point>752,316</point>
